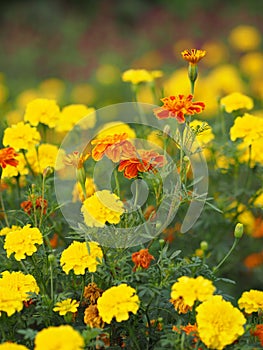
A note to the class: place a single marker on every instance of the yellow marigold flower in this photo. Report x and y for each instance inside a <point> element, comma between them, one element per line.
<point>42,110</point>
<point>64,306</point>
<point>74,113</point>
<point>251,301</point>
<point>21,136</point>
<point>248,127</point>
<point>52,88</point>
<point>203,130</point>
<point>80,256</point>
<point>83,93</point>
<point>155,137</point>
<point>117,302</point>
<point>112,128</point>
<point>45,156</point>
<point>12,346</point>
<point>77,193</point>
<point>22,242</point>
<point>103,206</point>
<point>245,38</point>
<point>136,76</point>
<point>92,317</point>
<point>236,101</point>
<point>107,74</point>
<point>6,230</point>
<point>188,290</point>
<point>254,154</point>
<point>62,337</point>
<point>193,56</point>
<point>219,323</point>
<point>10,301</point>
<point>20,169</point>
<point>20,283</point>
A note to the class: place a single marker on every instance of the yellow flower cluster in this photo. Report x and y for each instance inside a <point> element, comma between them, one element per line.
<point>80,256</point>
<point>42,110</point>
<point>251,301</point>
<point>219,323</point>
<point>103,206</point>
<point>248,127</point>
<point>73,114</point>
<point>117,302</point>
<point>22,242</point>
<point>14,289</point>
<point>65,306</point>
<point>136,76</point>
<point>187,290</point>
<point>61,337</point>
<point>236,101</point>
<point>21,136</point>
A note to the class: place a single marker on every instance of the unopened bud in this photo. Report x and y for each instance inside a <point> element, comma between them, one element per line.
<point>239,230</point>
<point>51,258</point>
<point>47,171</point>
<point>186,159</point>
<point>162,242</point>
<point>166,130</point>
<point>204,245</point>
<point>192,72</point>
<point>81,175</point>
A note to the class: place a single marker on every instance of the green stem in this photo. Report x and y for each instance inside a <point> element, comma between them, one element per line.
<point>215,269</point>
<point>2,204</point>
<point>51,282</point>
<point>42,202</point>
<point>117,184</point>
<point>27,162</point>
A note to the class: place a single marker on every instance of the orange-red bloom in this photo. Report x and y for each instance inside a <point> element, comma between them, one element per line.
<point>7,157</point>
<point>193,56</point>
<point>254,260</point>
<point>111,146</point>
<point>177,106</point>
<point>141,161</point>
<point>38,203</point>
<point>142,259</point>
<point>258,332</point>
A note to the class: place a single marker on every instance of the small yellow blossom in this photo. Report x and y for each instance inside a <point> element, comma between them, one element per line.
<point>251,151</point>
<point>46,155</point>
<point>62,337</point>
<point>236,101</point>
<point>73,114</point>
<point>103,206</point>
<point>203,131</point>
<point>52,88</point>
<point>245,38</point>
<point>22,242</point>
<point>251,301</point>
<point>21,136</point>
<point>248,127</point>
<point>77,193</point>
<point>251,64</point>
<point>136,76</point>
<point>219,323</point>
<point>117,302</point>
<point>83,94</point>
<point>80,256</point>
<point>188,290</point>
<point>42,110</point>
<point>64,306</point>
<point>193,56</point>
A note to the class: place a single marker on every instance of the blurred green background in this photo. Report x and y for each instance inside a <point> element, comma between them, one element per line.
<point>70,40</point>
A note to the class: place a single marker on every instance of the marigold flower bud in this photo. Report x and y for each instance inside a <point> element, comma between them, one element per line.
<point>204,245</point>
<point>239,230</point>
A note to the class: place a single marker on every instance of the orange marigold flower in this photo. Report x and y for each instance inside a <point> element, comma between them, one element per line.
<point>142,259</point>
<point>177,106</point>
<point>76,159</point>
<point>111,146</point>
<point>254,260</point>
<point>258,228</point>
<point>193,56</point>
<point>258,332</point>
<point>38,203</point>
<point>7,157</point>
<point>141,161</point>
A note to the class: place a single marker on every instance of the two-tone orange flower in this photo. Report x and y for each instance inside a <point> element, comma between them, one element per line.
<point>34,203</point>
<point>193,56</point>
<point>112,146</point>
<point>177,106</point>
<point>7,157</point>
<point>142,259</point>
<point>141,161</point>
